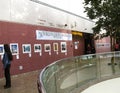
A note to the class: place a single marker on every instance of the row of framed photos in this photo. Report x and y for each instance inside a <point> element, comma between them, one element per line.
<point>26,48</point>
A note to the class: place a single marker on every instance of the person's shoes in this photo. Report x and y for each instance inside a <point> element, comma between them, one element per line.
<point>5,87</point>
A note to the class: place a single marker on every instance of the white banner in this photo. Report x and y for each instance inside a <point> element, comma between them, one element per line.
<point>47,35</point>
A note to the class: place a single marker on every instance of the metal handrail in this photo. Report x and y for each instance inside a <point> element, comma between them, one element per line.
<point>78,64</point>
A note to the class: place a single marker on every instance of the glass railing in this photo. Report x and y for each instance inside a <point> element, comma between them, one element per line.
<point>77,73</point>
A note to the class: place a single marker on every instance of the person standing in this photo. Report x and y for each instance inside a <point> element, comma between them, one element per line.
<point>7,58</point>
<point>89,49</point>
<point>116,47</point>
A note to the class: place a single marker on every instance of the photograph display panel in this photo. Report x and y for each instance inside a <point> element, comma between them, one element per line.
<point>55,46</point>
<point>37,48</point>
<point>47,47</point>
<point>63,47</point>
<point>14,48</point>
<point>26,48</point>
<point>1,49</point>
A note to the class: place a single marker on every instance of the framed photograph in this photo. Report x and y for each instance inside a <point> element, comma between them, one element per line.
<point>14,48</point>
<point>47,47</point>
<point>26,48</point>
<point>37,48</point>
<point>55,46</point>
<point>63,47</point>
<point>1,49</point>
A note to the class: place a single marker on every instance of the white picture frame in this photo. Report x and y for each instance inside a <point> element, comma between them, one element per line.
<point>14,48</point>
<point>37,48</point>
<point>26,48</point>
<point>63,47</point>
<point>47,47</point>
<point>1,49</point>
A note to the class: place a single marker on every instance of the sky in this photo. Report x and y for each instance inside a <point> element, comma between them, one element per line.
<point>74,6</point>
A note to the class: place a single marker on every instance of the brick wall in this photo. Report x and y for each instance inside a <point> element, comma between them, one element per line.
<point>26,34</point>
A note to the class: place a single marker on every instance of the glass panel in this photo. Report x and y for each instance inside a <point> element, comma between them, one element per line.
<point>116,63</point>
<point>68,74</point>
<point>66,77</point>
<point>49,80</point>
<point>106,68</point>
<point>87,69</point>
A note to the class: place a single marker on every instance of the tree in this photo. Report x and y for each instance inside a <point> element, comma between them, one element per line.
<point>107,15</point>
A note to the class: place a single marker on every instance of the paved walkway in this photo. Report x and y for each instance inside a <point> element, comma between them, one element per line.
<point>108,86</point>
<point>23,83</point>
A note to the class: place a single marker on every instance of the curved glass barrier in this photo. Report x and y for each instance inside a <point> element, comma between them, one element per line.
<point>77,73</point>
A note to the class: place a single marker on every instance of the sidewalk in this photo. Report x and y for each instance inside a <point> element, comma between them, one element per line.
<point>23,83</point>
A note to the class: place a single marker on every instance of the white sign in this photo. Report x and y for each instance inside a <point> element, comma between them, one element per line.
<point>47,35</point>
<point>99,45</point>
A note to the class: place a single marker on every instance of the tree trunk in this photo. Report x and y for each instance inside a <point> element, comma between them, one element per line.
<point>112,40</point>
<point>111,43</point>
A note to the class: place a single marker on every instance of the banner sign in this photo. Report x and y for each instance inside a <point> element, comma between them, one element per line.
<point>101,45</point>
<point>47,35</point>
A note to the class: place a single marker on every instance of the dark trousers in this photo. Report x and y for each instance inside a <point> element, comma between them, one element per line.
<point>7,75</point>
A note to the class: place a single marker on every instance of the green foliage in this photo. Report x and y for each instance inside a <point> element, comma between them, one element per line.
<point>107,14</point>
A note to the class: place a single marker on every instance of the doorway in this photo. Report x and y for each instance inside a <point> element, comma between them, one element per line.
<point>89,40</point>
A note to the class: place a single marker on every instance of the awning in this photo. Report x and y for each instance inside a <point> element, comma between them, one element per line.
<point>77,33</point>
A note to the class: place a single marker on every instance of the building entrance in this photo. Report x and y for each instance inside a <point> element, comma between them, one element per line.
<point>89,43</point>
